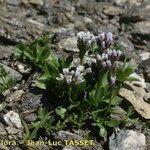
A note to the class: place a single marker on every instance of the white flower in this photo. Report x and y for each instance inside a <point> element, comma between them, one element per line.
<point>69,79</point>
<point>61,77</point>
<point>119,53</point>
<point>65,71</point>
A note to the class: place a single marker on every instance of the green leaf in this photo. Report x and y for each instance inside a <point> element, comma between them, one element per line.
<point>61,112</point>
<point>74,105</point>
<point>124,72</point>
<point>103,132</point>
<point>96,115</point>
<point>39,125</point>
<point>112,123</point>
<point>115,101</point>
<point>92,99</point>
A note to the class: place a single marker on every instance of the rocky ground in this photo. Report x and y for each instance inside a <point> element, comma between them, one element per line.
<point>25,20</point>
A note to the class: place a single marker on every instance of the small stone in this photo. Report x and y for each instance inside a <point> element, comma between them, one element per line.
<point>35,22</point>
<point>69,44</point>
<point>16,96</point>
<point>13,73</point>
<point>113,10</point>
<point>142,29</point>
<point>127,140</point>
<point>66,135</point>
<point>144,55</point>
<point>12,119</point>
<point>24,68</point>
<point>147,97</point>
<point>13,2</point>
<point>36,2</point>
<point>2,131</point>
<point>70,147</point>
<point>11,130</point>
<point>30,117</point>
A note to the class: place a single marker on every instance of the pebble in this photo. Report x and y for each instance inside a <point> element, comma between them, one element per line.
<point>13,2</point>
<point>36,2</point>
<point>144,55</point>
<point>127,140</point>
<point>13,73</point>
<point>12,119</point>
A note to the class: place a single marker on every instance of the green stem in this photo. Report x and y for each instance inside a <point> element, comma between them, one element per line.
<point>108,108</point>
<point>98,86</point>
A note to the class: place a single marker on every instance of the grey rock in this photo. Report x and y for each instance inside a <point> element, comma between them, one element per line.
<point>69,44</point>
<point>144,55</point>
<point>3,132</point>
<point>30,102</point>
<point>12,119</point>
<point>128,47</point>
<point>6,51</point>
<point>144,67</point>
<point>142,29</point>
<point>14,30</point>
<point>16,96</point>
<point>11,130</point>
<point>113,10</point>
<point>36,2</point>
<point>13,2</point>
<point>129,2</point>
<point>69,147</point>
<point>30,117</point>
<point>13,73</point>
<point>127,140</point>
<point>23,68</point>
<point>147,97</point>
<point>66,135</point>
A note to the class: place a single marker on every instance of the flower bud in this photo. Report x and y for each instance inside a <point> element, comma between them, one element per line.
<point>104,65</point>
<point>113,80</point>
<point>109,64</point>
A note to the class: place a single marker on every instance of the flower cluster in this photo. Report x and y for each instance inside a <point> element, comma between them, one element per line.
<point>71,76</point>
<point>104,40</point>
<point>110,60</point>
<point>84,40</point>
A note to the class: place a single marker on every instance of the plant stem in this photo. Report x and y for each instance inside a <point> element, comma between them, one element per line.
<point>97,89</point>
<point>108,108</point>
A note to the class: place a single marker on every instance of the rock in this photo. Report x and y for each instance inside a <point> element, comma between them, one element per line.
<point>6,51</point>
<point>16,96</point>
<point>36,2</point>
<point>12,119</point>
<point>66,135</point>
<point>128,47</point>
<point>136,97</point>
<point>130,2</point>
<point>13,2</point>
<point>127,140</point>
<point>142,29</point>
<point>14,30</point>
<point>147,97</point>
<point>11,130</point>
<point>23,68</point>
<point>144,67</point>
<point>13,73</point>
<point>112,10</point>
<point>3,132</point>
<point>144,55</point>
<point>30,103</point>
<point>35,22</point>
<point>140,82</point>
<point>30,117</point>
<point>69,44</point>
<point>69,147</point>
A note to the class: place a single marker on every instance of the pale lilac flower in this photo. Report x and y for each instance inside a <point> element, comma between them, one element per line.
<point>104,40</point>
<point>113,80</point>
